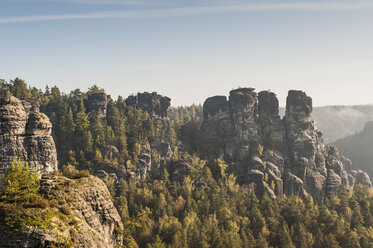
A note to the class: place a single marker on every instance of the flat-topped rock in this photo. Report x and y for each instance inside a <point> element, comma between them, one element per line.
<point>153,103</point>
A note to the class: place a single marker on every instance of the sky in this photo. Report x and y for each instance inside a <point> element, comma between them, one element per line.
<point>190,50</point>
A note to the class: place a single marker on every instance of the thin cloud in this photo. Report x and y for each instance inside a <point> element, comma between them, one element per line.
<point>190,11</point>
<point>99,2</point>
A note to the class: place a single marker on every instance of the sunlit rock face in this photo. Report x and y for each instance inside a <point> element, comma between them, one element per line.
<point>304,148</point>
<point>90,205</point>
<point>27,136</point>
<point>273,155</point>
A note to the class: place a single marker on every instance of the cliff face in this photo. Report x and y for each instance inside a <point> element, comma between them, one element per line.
<point>156,106</point>
<point>90,218</point>
<point>276,155</point>
<point>92,222</point>
<point>90,202</point>
<point>304,148</point>
<point>230,122</point>
<point>26,135</point>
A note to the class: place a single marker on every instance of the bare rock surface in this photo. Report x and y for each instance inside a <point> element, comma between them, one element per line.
<point>26,135</point>
<point>94,219</point>
<point>153,103</point>
<point>272,154</point>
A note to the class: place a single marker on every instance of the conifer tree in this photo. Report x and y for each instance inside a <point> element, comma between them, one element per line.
<point>21,186</point>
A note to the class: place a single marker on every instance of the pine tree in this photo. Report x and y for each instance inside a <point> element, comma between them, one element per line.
<point>70,124</point>
<point>301,237</point>
<point>20,185</point>
<point>331,242</point>
<point>283,236</point>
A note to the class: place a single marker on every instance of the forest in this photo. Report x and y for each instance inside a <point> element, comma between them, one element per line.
<point>205,209</point>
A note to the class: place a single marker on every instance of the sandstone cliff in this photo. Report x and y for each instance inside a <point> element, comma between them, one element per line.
<point>156,106</point>
<point>90,218</point>
<point>26,134</point>
<point>83,212</point>
<point>275,155</point>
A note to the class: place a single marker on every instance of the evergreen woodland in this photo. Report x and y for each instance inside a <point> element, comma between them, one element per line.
<point>208,208</point>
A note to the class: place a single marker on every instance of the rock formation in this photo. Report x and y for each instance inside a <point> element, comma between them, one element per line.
<point>152,103</point>
<point>156,105</point>
<point>93,218</point>
<point>97,105</point>
<point>273,155</point>
<point>304,148</point>
<point>232,125</point>
<point>270,125</point>
<point>26,135</point>
<point>94,221</point>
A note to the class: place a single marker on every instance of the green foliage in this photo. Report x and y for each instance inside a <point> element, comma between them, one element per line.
<point>80,135</point>
<point>260,150</point>
<point>207,208</point>
<point>71,172</point>
<point>62,242</point>
<point>20,185</point>
<point>129,227</point>
<point>21,204</point>
<point>204,211</point>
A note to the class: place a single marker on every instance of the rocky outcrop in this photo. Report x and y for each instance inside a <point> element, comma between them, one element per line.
<point>217,121</point>
<point>270,125</point>
<point>83,213</point>
<point>305,151</point>
<point>158,152</point>
<point>92,219</point>
<point>231,123</point>
<point>274,155</point>
<point>26,135</point>
<point>152,103</point>
<point>162,152</point>
<point>151,159</point>
<point>96,104</point>
<point>361,177</point>
<point>232,126</point>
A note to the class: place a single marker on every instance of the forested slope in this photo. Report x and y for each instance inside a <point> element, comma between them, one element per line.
<point>183,200</point>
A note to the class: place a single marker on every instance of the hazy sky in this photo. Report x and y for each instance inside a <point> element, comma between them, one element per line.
<point>190,50</point>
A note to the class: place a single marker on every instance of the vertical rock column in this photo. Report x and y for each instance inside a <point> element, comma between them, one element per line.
<point>271,130</point>
<point>305,170</point>
<point>27,137</point>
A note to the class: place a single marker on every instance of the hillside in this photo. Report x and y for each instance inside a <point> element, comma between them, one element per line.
<point>358,147</point>
<point>232,174</point>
